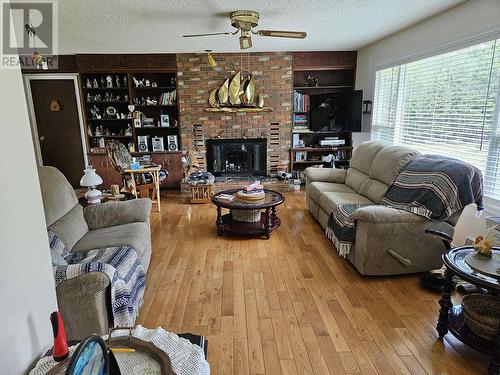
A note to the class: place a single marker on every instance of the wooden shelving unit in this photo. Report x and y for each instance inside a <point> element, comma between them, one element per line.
<point>124,129</point>
<point>335,72</point>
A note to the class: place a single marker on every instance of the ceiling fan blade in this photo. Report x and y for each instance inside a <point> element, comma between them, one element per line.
<point>209,34</point>
<point>283,34</point>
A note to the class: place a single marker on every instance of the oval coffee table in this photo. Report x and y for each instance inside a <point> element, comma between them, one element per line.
<point>268,222</point>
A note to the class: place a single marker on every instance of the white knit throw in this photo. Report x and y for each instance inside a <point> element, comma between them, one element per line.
<point>186,358</point>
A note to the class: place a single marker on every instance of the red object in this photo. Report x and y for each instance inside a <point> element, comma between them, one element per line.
<point>60,350</point>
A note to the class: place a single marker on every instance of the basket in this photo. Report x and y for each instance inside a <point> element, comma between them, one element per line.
<point>481,314</point>
<point>247,216</point>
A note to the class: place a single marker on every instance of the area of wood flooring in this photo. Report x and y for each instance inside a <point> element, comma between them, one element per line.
<point>289,305</point>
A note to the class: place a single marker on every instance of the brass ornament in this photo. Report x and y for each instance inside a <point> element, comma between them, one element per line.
<point>237,94</point>
<point>55,106</point>
<point>223,93</point>
<point>234,89</point>
<point>212,100</point>
<point>260,101</point>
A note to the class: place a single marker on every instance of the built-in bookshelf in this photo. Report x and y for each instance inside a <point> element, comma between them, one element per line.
<point>137,108</point>
<point>319,73</point>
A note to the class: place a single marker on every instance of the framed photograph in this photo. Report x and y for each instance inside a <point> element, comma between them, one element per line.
<point>164,121</point>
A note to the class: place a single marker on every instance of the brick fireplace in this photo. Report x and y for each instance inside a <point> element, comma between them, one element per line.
<point>273,73</point>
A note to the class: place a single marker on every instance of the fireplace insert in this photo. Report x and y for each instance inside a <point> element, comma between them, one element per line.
<point>237,157</point>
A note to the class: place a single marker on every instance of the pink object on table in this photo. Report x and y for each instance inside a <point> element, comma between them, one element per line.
<point>253,187</point>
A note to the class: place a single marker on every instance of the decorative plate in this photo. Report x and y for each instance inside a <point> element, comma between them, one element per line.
<point>484,265</point>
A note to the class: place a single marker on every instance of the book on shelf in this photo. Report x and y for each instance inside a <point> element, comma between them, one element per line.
<point>300,102</point>
<point>167,98</point>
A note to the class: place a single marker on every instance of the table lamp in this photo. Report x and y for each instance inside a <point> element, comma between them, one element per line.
<point>91,179</point>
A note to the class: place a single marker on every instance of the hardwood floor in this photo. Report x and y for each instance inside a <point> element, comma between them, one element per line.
<point>289,305</point>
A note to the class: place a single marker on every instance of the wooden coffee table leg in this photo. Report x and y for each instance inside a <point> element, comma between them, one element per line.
<point>219,222</point>
<point>445,303</point>
<point>268,224</point>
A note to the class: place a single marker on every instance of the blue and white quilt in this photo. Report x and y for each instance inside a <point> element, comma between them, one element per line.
<point>121,264</point>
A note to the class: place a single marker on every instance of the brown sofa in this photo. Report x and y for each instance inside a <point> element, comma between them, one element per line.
<point>84,300</point>
<point>388,241</point>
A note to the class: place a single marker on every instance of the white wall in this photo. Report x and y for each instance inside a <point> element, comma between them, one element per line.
<point>27,292</point>
<point>468,23</point>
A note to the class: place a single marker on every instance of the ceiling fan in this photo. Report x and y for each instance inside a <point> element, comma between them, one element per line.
<point>244,21</point>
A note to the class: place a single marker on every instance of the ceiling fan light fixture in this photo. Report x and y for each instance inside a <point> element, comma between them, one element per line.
<point>245,42</point>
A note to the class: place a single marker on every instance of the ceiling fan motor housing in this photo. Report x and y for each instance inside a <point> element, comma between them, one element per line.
<point>244,19</point>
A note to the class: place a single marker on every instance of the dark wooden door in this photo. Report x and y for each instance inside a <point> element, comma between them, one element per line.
<point>59,130</point>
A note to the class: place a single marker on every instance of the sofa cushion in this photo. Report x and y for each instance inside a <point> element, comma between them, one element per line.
<point>329,199</point>
<point>365,154</point>
<point>314,189</point>
<point>355,179</point>
<point>136,235</point>
<point>373,190</point>
<point>71,227</point>
<point>389,162</point>
<point>58,195</point>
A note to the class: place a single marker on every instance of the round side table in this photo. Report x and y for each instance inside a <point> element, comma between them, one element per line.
<point>451,317</point>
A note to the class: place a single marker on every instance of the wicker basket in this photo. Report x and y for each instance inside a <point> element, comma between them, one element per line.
<point>481,314</point>
<point>247,216</point>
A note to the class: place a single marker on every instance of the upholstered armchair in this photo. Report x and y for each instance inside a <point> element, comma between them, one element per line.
<point>84,301</point>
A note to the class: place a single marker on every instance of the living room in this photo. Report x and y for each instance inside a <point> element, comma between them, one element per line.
<point>204,191</point>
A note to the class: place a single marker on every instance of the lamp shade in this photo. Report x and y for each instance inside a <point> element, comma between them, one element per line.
<point>90,178</point>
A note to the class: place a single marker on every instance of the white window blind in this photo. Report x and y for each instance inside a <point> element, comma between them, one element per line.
<point>446,104</point>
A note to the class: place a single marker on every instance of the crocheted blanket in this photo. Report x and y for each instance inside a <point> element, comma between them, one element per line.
<point>121,264</point>
<point>436,187</point>
<point>341,229</point>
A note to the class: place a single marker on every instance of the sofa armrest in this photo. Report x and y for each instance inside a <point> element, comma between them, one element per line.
<point>110,214</point>
<point>386,215</point>
<point>85,305</point>
<point>326,175</point>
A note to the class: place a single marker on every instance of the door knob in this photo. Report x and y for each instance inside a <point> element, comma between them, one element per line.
<point>43,138</point>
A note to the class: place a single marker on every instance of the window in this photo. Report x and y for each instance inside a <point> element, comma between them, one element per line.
<point>446,104</point>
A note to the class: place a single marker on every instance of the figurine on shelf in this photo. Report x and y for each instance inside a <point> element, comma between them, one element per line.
<point>154,84</point>
<point>138,82</point>
<point>94,111</point>
<point>89,85</point>
<point>103,82</point>
<point>107,96</point>
<point>95,84</point>
<point>128,131</point>
<point>89,97</point>
<point>125,81</point>
<point>148,83</point>
<point>152,101</point>
<point>118,98</point>
<point>97,98</point>
<point>99,131</point>
<point>109,81</point>
<point>484,244</point>
<point>135,101</point>
<point>107,132</point>
<point>172,81</point>
<point>123,116</point>
<point>143,101</point>
<point>311,81</point>
<point>125,98</point>
<point>117,80</point>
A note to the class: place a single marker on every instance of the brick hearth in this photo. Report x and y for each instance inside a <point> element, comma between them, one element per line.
<point>273,73</point>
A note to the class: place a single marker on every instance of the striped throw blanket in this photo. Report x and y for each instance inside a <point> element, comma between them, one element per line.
<point>436,187</point>
<point>121,264</point>
<point>341,229</point>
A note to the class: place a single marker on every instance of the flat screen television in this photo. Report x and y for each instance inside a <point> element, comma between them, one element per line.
<point>336,112</point>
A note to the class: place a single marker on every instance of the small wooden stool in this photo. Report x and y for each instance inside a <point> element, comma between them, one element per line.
<point>201,193</point>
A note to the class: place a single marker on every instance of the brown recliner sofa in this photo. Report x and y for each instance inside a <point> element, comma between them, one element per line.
<point>388,241</point>
<point>84,301</point>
